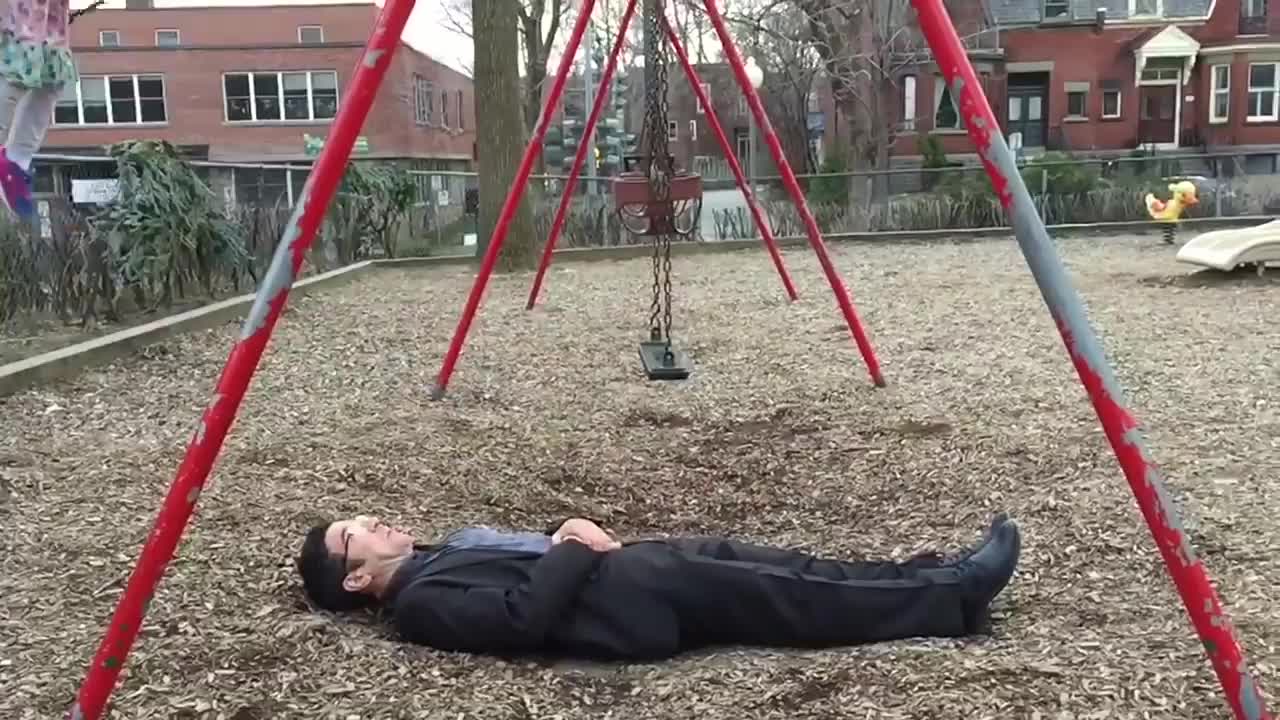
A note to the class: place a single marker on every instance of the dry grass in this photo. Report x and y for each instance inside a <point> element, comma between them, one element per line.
<point>778,438</point>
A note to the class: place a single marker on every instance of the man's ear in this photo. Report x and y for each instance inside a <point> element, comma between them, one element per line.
<point>356,581</point>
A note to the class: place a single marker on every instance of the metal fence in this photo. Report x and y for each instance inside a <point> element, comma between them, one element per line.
<point>905,197</point>
<point>1066,190</point>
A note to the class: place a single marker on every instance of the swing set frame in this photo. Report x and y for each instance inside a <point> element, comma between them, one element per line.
<point>1200,600</point>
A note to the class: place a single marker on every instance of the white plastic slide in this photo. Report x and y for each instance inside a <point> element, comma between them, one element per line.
<point>1226,250</point>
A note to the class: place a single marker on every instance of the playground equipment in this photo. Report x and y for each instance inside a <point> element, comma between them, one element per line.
<point>1230,248</point>
<point>1082,345</point>
<point>1182,196</point>
<point>658,357</point>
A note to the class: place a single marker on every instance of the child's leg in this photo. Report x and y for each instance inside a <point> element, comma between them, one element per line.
<point>31,120</point>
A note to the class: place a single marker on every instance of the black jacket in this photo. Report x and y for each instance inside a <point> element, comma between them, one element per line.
<point>571,599</point>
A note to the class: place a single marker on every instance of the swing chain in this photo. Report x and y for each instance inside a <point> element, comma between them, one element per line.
<point>660,170</point>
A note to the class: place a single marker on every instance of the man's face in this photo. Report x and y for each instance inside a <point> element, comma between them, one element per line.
<point>364,542</point>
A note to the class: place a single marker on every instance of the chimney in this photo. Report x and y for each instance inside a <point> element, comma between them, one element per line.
<point>138,4</point>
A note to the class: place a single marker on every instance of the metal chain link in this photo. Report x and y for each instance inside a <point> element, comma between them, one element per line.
<point>661,166</point>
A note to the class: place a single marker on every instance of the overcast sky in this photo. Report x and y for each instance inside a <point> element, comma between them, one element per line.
<point>426,30</point>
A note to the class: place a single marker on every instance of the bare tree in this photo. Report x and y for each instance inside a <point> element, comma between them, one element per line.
<point>778,37</point>
<point>867,46</point>
<point>500,135</point>
<point>538,23</point>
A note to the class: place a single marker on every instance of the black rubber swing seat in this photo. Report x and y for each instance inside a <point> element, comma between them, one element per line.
<point>658,366</point>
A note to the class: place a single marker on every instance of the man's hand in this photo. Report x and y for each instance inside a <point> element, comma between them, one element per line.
<point>587,533</point>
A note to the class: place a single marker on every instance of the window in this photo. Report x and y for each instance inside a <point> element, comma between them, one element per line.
<point>1220,93</point>
<point>109,38</point>
<point>811,101</point>
<point>168,38</point>
<point>1077,103</point>
<point>111,100</point>
<point>1253,17</point>
<point>693,130</point>
<point>673,130</point>
<point>444,108</point>
<point>310,34</point>
<point>423,100</point>
<point>909,102</point>
<point>743,109</point>
<point>706,92</point>
<point>946,114</point>
<point>461,124</point>
<point>1146,8</point>
<point>1054,9</point>
<point>280,96</point>
<point>1110,103</point>
<point>1262,91</point>
<point>1167,73</point>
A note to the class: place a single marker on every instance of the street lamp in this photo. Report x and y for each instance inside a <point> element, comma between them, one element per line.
<point>755,76</point>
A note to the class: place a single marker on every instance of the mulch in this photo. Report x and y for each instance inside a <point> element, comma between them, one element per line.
<point>778,437</point>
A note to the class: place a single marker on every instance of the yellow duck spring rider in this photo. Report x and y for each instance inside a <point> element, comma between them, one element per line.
<point>1183,196</point>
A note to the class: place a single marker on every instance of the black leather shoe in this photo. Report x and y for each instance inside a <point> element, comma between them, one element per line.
<point>987,572</point>
<point>960,556</point>
<point>943,560</point>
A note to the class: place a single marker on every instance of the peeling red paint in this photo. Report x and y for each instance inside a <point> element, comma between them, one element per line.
<point>207,440</point>
<point>1121,428</point>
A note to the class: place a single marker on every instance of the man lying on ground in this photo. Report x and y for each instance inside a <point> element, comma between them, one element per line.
<point>579,592</point>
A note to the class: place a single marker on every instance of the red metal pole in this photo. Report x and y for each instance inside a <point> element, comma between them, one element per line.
<point>513,201</point>
<point>797,195</point>
<point>592,119</point>
<point>1082,344</point>
<point>207,441</point>
<point>730,156</point>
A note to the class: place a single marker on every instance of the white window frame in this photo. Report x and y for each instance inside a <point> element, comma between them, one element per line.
<point>253,98</point>
<point>1084,105</point>
<point>311,27</point>
<point>1065,5</point>
<point>458,101</point>
<point>673,131</point>
<point>1157,13</point>
<point>106,85</point>
<point>102,34</point>
<point>909,102</point>
<point>177,36</point>
<point>706,92</point>
<point>1216,90</point>
<point>693,130</point>
<point>1273,89</point>
<point>424,100</point>
<point>1102,111</point>
<point>444,108</point>
<point>941,89</point>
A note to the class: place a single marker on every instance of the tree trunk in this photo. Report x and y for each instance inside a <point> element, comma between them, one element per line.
<point>500,133</point>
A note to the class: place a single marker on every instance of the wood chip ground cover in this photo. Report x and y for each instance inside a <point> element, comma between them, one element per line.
<point>778,438</point>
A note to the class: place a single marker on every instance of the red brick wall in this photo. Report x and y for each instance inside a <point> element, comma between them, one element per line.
<point>227,39</point>
<point>1083,54</point>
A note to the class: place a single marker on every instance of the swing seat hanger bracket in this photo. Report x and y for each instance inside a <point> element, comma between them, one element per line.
<point>662,361</point>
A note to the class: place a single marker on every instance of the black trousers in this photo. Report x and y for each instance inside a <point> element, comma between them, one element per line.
<point>729,592</point>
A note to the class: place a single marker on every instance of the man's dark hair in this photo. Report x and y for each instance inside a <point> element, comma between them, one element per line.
<point>322,574</point>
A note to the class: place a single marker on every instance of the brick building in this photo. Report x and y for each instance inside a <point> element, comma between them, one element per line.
<point>1110,76</point>
<point>248,83</point>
